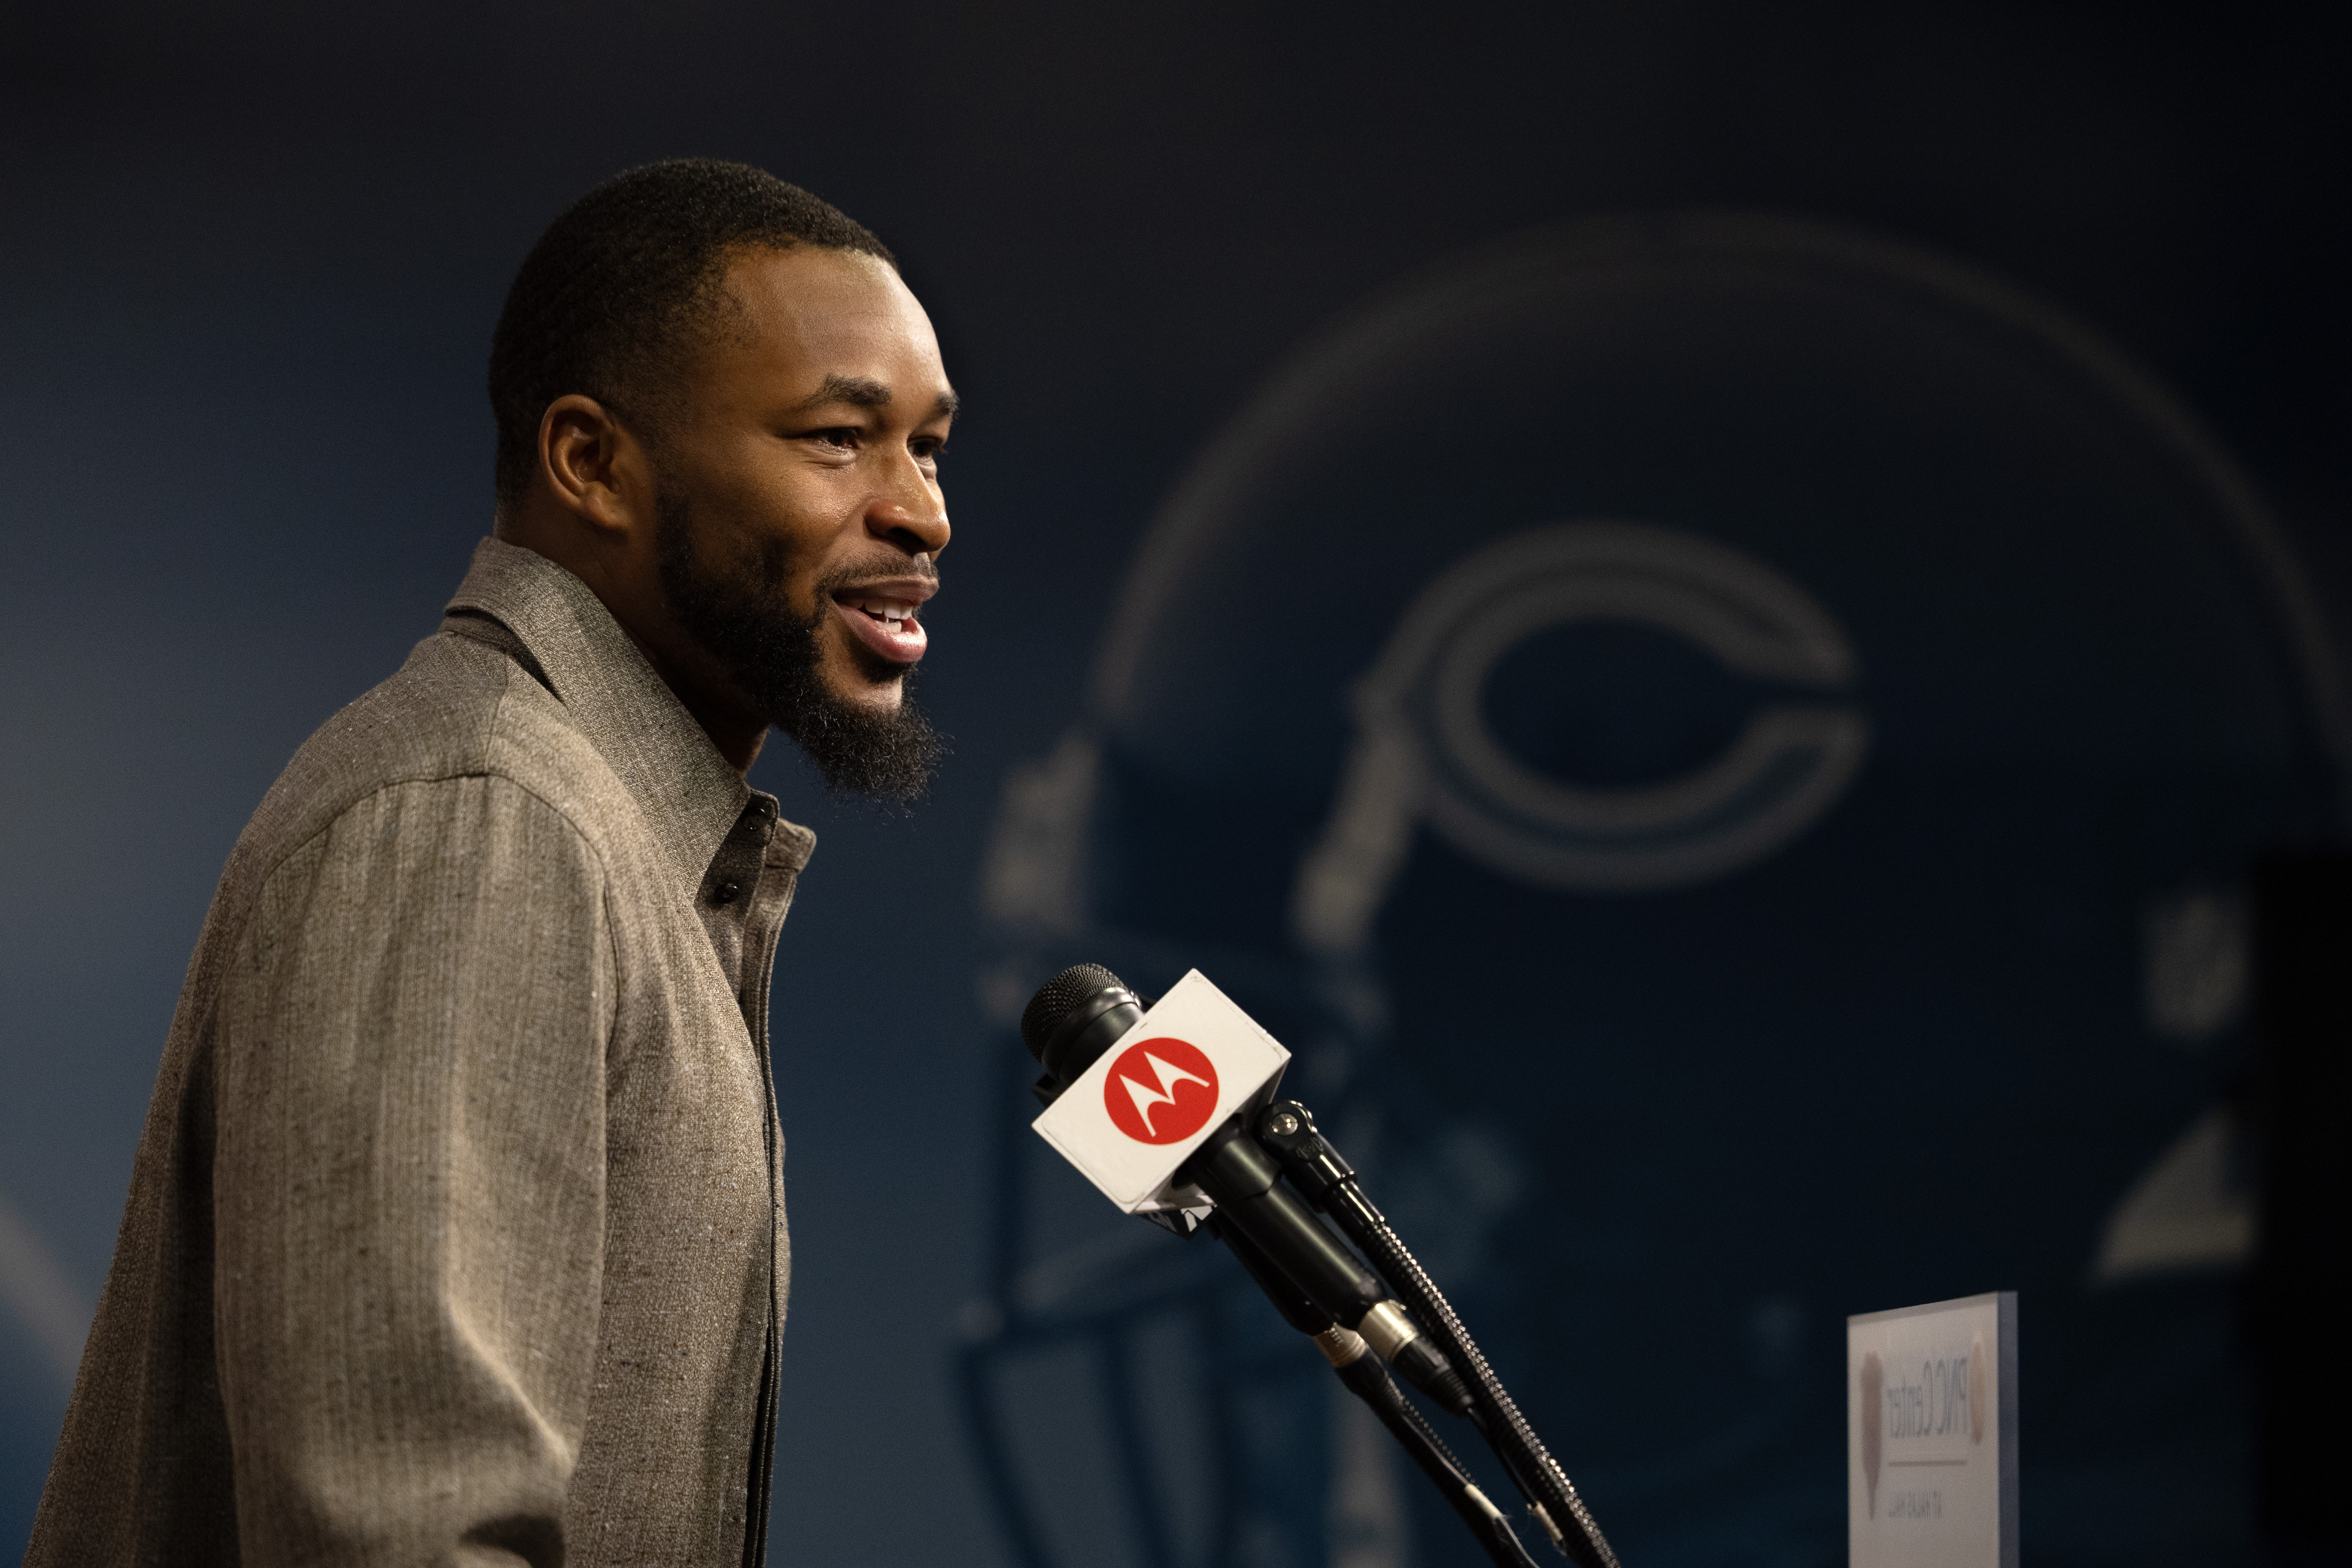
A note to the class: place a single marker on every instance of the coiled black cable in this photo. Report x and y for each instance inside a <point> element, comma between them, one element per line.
<point>1288,1129</point>
<point>1577,1535</point>
<point>1369,1381</point>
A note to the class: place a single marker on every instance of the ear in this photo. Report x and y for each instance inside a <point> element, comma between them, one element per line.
<point>593,466</point>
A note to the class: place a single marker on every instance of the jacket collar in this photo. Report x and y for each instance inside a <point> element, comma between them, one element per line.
<point>688,795</point>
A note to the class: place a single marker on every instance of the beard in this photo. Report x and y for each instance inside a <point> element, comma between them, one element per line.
<point>776,657</point>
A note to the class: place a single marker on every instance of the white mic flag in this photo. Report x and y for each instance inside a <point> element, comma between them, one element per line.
<point>1158,1091</point>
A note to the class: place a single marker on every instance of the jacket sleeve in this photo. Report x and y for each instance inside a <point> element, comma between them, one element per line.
<point>409,1182</point>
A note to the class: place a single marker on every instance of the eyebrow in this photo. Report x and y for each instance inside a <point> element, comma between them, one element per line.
<point>865,392</point>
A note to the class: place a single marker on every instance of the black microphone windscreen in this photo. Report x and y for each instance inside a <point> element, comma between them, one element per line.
<point>1061,996</point>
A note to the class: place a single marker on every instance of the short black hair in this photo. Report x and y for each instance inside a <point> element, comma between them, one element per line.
<point>627,280</point>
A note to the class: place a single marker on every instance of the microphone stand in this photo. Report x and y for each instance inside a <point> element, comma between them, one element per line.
<point>1286,1130</point>
<point>1361,1372</point>
<point>1247,1169</point>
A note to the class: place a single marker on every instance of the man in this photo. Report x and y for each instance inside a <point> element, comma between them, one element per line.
<point>455,1234</point>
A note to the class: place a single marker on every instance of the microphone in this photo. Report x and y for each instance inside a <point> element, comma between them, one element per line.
<point>1166,1106</point>
<point>1163,1117</point>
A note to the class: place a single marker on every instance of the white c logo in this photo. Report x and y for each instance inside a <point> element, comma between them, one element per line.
<point>1422,748</point>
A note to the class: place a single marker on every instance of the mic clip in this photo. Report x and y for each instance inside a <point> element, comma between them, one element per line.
<point>1287,1129</point>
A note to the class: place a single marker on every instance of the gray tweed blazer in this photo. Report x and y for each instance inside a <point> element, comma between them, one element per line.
<point>455,1234</point>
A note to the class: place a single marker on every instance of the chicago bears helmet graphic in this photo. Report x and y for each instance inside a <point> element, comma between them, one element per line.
<point>1726,750</point>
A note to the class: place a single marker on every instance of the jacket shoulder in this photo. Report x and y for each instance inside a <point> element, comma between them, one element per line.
<point>458,709</point>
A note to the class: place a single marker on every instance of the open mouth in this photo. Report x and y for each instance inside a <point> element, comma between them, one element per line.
<point>884,624</point>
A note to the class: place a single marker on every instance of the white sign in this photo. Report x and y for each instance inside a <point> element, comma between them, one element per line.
<point>1161,1089</point>
<point>1931,1435</point>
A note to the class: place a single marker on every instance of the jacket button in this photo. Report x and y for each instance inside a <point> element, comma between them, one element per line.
<point>726,892</point>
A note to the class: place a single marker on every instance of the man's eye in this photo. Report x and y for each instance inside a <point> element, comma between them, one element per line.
<point>843,437</point>
<point>929,451</point>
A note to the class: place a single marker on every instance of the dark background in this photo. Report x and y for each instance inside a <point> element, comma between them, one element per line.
<point>251,254</point>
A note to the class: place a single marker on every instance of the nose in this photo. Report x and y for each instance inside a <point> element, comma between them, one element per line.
<point>911,514</point>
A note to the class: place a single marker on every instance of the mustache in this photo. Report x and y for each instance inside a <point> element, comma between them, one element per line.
<point>852,572</point>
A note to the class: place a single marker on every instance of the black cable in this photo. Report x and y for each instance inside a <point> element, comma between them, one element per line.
<point>1369,1381</point>
<point>1361,1372</point>
<point>1577,1534</point>
<point>1286,1128</point>
<point>1429,1434</point>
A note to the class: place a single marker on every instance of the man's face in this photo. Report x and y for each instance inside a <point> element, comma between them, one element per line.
<point>800,512</point>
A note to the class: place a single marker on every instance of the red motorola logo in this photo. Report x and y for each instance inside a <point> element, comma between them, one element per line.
<point>1160,1092</point>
